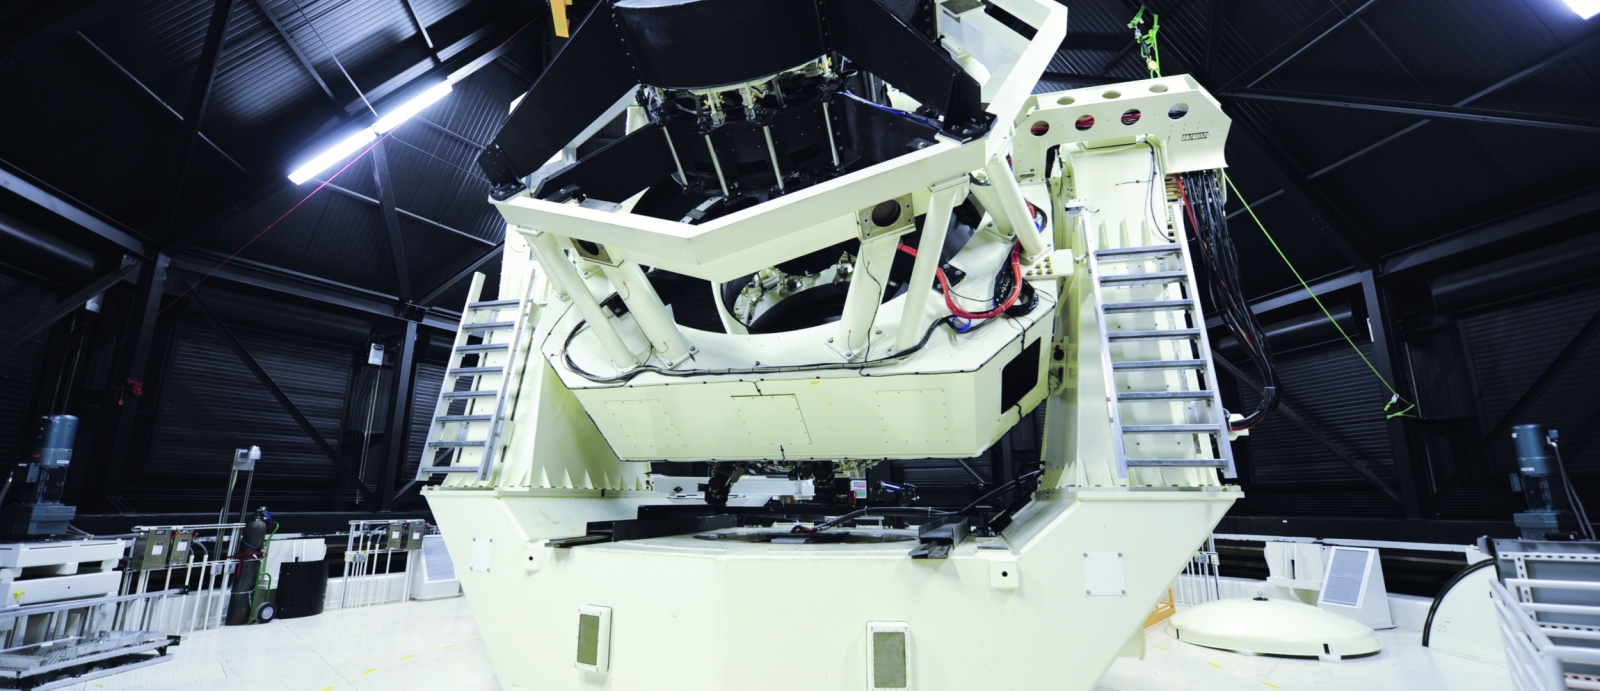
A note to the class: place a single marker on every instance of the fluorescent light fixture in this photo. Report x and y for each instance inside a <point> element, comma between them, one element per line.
<point>1585,8</point>
<point>398,116</point>
<point>336,153</point>
<point>354,142</point>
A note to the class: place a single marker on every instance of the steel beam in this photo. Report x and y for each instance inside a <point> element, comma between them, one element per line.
<point>122,444</point>
<point>1255,204</point>
<point>67,306</point>
<point>299,55</point>
<point>340,465</point>
<point>1388,365</point>
<point>314,288</point>
<point>423,30</point>
<point>1508,226</point>
<point>391,220</point>
<point>1496,117</point>
<point>1557,58</point>
<point>415,217</point>
<point>399,429</point>
<point>1289,51</point>
<point>24,37</point>
<point>1328,218</point>
<point>69,209</point>
<point>272,181</point>
<point>205,77</point>
<point>1290,414</point>
<point>462,275</point>
<point>1219,11</point>
<point>159,101</point>
<point>1551,373</point>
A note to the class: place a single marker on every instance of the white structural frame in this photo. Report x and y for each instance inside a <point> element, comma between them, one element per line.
<point>891,380</point>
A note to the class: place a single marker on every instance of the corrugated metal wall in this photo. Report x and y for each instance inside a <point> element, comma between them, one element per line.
<point>212,404</point>
<point>425,395</point>
<point>20,302</point>
<point>1511,346</point>
<point>1290,473</point>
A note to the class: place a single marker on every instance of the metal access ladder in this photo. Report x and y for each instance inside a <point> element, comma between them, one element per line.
<point>1127,267</point>
<point>475,399</point>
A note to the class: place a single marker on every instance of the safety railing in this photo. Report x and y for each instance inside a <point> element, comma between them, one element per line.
<point>38,640</point>
<point>378,562</point>
<point>1200,581</point>
<point>202,573</point>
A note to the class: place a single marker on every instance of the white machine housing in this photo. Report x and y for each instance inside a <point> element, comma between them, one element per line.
<point>1040,606</point>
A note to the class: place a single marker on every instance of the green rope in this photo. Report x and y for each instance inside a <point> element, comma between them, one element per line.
<point>1148,49</point>
<point>1396,398</point>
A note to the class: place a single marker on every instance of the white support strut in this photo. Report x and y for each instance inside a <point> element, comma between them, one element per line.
<point>567,280</point>
<point>654,319</point>
<point>934,227</point>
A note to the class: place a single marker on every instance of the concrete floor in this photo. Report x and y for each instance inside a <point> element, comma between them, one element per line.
<point>429,646</point>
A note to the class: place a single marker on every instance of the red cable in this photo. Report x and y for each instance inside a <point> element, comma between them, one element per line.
<point>949,300</point>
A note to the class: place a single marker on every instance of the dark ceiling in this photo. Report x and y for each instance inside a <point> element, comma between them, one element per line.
<point>1363,128</point>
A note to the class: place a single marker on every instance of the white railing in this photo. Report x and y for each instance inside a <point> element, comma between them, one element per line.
<point>202,579</point>
<point>369,565</point>
<point>1200,581</point>
<point>1536,662</point>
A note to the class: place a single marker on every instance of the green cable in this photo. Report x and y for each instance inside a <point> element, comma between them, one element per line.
<point>1397,397</point>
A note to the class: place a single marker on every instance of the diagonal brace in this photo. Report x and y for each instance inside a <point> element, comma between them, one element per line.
<point>339,463</point>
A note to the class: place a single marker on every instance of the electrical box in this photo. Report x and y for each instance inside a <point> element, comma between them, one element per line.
<point>150,551</point>
<point>414,532</point>
<point>178,551</point>
<point>397,535</point>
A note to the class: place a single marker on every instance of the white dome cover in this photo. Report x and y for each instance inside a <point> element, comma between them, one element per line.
<point>1273,627</point>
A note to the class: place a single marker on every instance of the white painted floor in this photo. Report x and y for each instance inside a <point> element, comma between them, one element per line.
<point>433,646</point>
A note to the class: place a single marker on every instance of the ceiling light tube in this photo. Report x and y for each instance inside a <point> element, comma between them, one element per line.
<point>398,116</point>
<point>1585,8</point>
<point>334,154</point>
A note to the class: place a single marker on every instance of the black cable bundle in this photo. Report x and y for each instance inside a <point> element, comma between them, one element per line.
<point>1206,202</point>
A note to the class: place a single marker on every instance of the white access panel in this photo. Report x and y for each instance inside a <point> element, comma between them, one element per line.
<point>482,553</point>
<point>1353,587</point>
<point>1104,574</point>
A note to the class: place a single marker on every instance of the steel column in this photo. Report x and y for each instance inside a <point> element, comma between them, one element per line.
<point>122,445</point>
<point>1551,373</point>
<point>1383,358</point>
<point>391,221</point>
<point>343,467</point>
<point>399,429</point>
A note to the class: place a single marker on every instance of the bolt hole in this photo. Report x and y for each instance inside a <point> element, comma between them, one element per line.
<point>1131,116</point>
<point>886,213</point>
<point>1112,94</point>
<point>589,248</point>
<point>1177,111</point>
<point>1084,123</point>
<point>1158,89</point>
<point>1005,574</point>
<point>1040,128</point>
<point>1066,100</point>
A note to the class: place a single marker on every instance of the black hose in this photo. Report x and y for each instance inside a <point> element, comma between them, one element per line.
<point>1206,203</point>
<point>1427,627</point>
